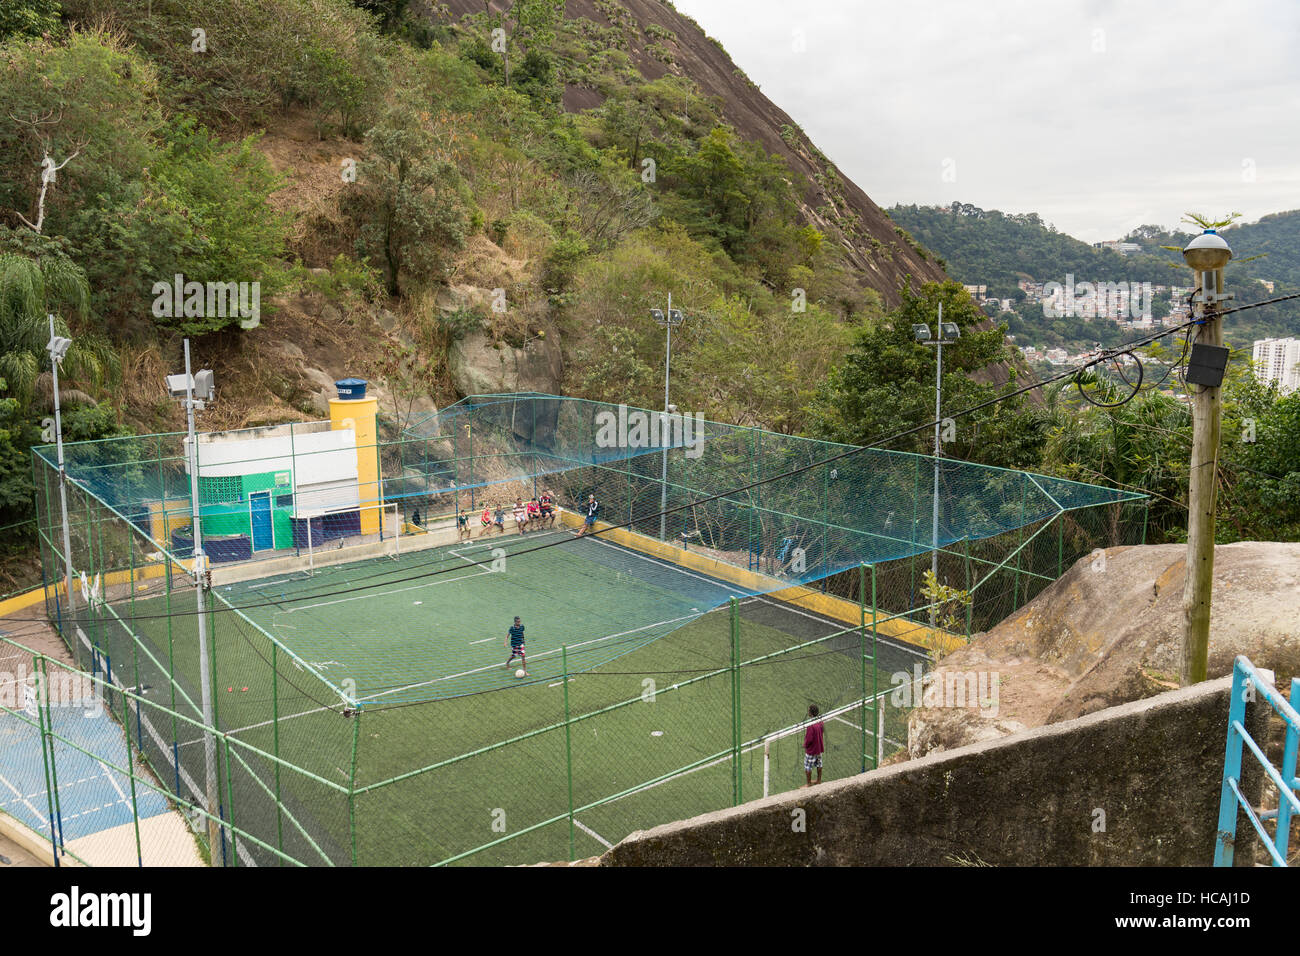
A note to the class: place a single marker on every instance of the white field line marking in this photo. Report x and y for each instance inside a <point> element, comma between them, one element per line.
<point>748,748</point>
<point>539,654</point>
<point>592,833</point>
<point>121,794</point>
<point>381,594</point>
<point>666,565</point>
<point>30,806</point>
<point>407,687</point>
<point>484,641</point>
<point>883,640</point>
<point>180,771</point>
<point>870,733</point>
<point>271,584</point>
<point>757,597</point>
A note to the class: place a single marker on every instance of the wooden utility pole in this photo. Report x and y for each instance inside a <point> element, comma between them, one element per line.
<point>1203,487</point>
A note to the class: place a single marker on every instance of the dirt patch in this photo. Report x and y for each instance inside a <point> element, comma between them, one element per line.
<point>39,635</point>
<point>313,169</point>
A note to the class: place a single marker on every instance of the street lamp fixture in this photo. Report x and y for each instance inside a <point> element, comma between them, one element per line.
<point>1208,252</point>
<point>949,333</point>
<point>58,348</point>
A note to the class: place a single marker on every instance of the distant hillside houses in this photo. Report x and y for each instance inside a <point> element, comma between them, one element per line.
<point>1123,248</point>
<point>1117,307</point>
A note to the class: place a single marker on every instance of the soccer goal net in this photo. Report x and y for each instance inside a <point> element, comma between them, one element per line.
<point>328,536</point>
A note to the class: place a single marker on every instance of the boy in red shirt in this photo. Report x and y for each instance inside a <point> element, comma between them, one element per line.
<point>814,745</point>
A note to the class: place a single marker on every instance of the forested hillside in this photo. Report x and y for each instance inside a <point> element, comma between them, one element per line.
<point>988,247</point>
<point>456,197</point>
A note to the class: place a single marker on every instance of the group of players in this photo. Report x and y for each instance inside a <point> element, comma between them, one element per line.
<point>538,512</point>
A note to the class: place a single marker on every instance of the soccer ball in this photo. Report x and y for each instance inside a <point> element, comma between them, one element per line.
<point>521,673</point>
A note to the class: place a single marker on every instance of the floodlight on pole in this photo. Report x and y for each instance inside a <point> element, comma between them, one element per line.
<point>667,318</point>
<point>58,348</point>
<point>184,387</point>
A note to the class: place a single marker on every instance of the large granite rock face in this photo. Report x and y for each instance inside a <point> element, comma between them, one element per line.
<point>481,367</point>
<point>1110,631</point>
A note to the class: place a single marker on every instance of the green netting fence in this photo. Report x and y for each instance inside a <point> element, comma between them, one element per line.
<point>360,714</point>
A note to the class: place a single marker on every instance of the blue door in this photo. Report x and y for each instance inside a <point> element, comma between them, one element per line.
<point>260,510</point>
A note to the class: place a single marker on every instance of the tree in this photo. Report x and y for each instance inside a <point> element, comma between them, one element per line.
<point>886,382</point>
<point>1259,463</point>
<point>28,18</point>
<point>36,278</point>
<point>409,198</point>
<point>715,178</point>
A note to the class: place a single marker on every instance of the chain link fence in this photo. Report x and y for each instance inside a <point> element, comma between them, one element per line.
<point>736,578</point>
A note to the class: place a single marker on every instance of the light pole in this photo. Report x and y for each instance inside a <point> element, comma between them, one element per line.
<point>949,333</point>
<point>58,347</point>
<point>195,393</point>
<point>667,319</point>
<point>1207,254</point>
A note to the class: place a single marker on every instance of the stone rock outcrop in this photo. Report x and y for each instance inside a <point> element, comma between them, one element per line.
<point>480,367</point>
<point>1110,631</point>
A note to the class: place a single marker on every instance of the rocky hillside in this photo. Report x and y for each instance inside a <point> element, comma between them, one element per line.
<point>660,41</point>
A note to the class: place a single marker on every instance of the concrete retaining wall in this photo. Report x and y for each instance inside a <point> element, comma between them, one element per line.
<point>1133,785</point>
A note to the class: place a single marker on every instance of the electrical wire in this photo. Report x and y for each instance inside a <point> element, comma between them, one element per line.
<point>1126,349</point>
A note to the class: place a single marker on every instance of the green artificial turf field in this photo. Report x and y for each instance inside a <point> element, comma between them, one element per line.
<point>398,665</point>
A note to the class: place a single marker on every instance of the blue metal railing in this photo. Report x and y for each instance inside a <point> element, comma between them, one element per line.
<point>1247,685</point>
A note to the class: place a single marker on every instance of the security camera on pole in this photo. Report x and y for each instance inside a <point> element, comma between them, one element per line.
<point>949,333</point>
<point>667,319</point>
<point>1207,254</point>
<point>196,391</point>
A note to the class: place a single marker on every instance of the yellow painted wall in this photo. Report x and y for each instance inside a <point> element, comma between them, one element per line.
<point>166,516</point>
<point>825,604</point>
<point>22,602</point>
<point>361,415</point>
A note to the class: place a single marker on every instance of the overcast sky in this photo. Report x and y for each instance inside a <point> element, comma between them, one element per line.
<point>1080,110</point>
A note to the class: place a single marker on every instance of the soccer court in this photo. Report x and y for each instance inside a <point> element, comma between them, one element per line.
<point>418,643</point>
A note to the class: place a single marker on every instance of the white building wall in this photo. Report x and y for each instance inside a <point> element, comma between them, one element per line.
<point>313,458</point>
<point>1277,360</point>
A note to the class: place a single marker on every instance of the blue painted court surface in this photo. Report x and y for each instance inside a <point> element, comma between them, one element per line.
<point>92,795</point>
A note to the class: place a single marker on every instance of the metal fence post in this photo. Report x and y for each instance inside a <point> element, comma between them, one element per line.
<point>275,743</point>
<point>230,807</point>
<point>970,600</point>
<point>862,655</point>
<point>875,676</point>
<point>130,772</point>
<point>735,702</point>
<point>568,744</point>
<point>47,756</point>
<point>135,645</point>
<point>1060,544</point>
<point>352,784</point>
<point>1020,533</point>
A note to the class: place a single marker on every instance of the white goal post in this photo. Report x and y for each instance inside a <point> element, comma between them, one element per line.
<point>388,543</point>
